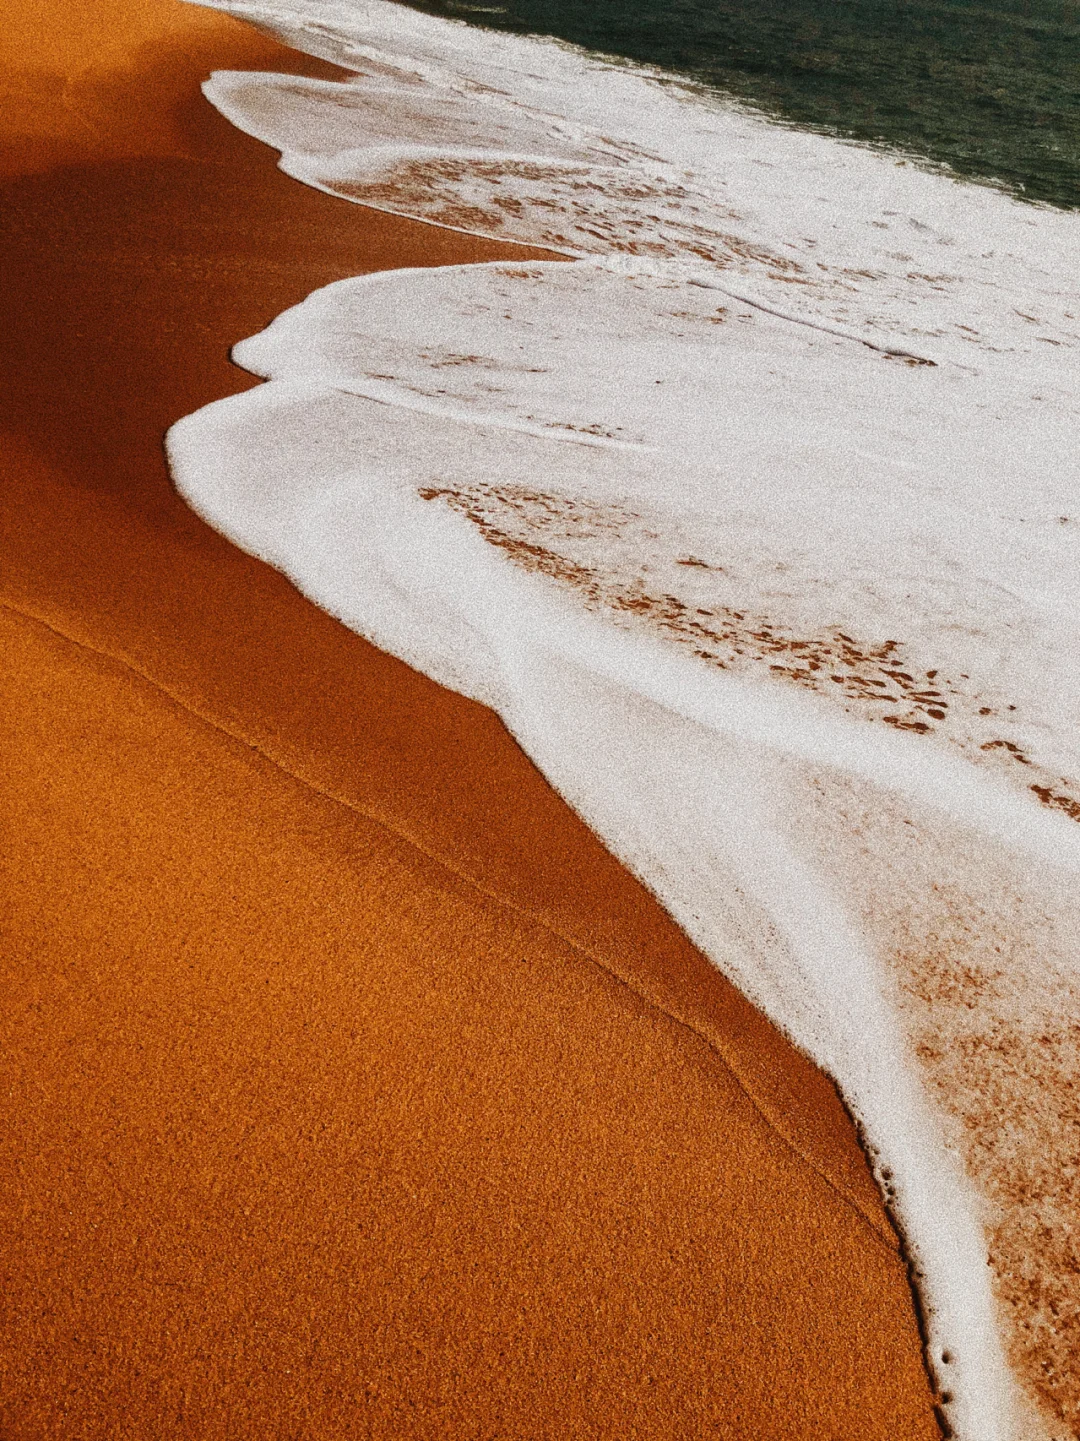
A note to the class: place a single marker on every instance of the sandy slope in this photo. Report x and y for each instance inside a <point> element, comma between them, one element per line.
<point>351,1087</point>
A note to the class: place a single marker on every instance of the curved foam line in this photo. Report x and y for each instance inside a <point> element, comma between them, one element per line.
<point>419,582</point>
<point>524,652</point>
<point>838,330</point>
<point>387,393</point>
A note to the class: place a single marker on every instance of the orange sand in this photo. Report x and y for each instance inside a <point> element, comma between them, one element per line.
<point>350,1087</point>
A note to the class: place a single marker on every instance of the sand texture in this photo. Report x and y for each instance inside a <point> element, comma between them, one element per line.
<point>351,1087</point>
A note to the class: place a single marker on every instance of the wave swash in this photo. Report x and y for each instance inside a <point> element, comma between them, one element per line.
<point>759,525</point>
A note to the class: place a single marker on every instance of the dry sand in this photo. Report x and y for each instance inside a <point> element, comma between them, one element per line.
<point>350,1087</point>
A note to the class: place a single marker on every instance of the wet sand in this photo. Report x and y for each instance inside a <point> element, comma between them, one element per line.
<point>351,1087</point>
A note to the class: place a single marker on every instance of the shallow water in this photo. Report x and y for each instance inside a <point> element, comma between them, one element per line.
<point>989,89</point>
<point>760,526</point>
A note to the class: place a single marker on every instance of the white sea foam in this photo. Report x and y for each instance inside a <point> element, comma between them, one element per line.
<point>786,614</point>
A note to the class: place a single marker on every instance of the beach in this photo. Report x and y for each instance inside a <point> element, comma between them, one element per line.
<point>353,1088</point>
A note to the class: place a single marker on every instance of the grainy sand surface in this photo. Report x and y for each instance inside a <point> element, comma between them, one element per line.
<point>350,1087</point>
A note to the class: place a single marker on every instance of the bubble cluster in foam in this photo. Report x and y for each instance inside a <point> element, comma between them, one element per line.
<point>760,526</point>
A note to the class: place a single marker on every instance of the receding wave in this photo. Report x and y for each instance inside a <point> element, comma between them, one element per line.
<point>759,524</point>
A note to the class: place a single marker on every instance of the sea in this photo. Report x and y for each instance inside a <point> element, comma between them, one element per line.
<point>989,90</point>
<point>754,511</point>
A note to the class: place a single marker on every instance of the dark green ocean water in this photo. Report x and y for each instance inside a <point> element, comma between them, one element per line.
<point>991,89</point>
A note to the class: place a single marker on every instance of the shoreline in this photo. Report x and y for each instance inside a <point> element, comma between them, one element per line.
<point>384,785</point>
